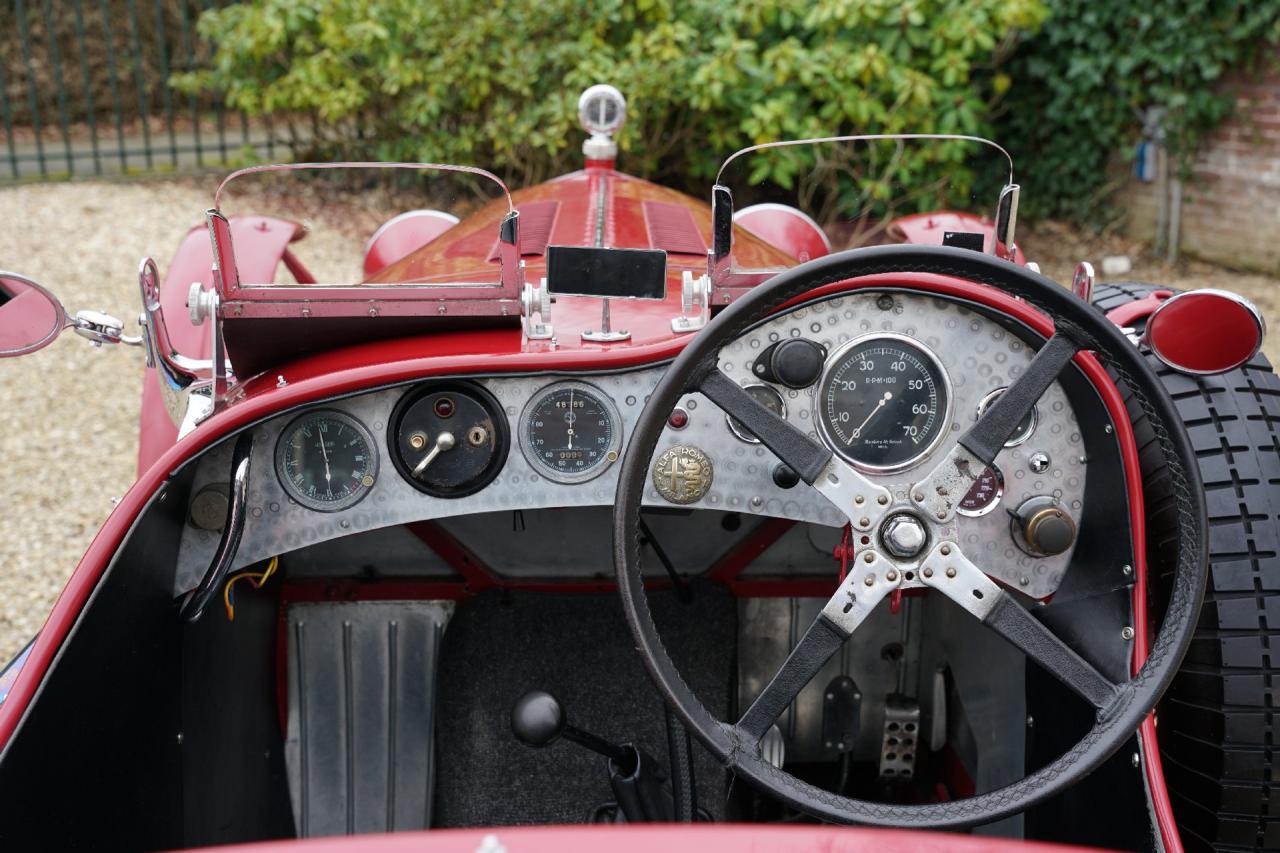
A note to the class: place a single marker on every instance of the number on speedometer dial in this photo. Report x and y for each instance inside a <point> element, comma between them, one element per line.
<point>884,402</point>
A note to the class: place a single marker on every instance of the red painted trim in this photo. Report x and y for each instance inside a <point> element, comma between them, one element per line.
<point>297,268</point>
<point>730,565</point>
<point>671,838</point>
<point>1129,313</point>
<point>336,375</point>
<point>460,558</point>
<point>1152,766</point>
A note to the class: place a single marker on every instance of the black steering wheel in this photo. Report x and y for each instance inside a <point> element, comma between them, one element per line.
<point>931,501</point>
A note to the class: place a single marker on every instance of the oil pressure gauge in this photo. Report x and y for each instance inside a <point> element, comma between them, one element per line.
<point>570,432</point>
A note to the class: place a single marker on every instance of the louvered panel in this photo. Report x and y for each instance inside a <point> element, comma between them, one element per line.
<point>671,227</point>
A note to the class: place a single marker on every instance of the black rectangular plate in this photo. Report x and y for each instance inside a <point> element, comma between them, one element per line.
<point>617,273</point>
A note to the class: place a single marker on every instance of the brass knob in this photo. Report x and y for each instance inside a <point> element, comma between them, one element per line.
<point>1049,531</point>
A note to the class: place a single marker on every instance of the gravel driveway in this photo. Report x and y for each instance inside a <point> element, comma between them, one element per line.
<point>68,414</point>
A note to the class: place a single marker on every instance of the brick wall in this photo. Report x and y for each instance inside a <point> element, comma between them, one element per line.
<point>1231,205</point>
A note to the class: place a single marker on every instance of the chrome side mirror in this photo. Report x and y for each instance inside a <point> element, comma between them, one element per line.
<point>30,316</point>
<point>1203,332</point>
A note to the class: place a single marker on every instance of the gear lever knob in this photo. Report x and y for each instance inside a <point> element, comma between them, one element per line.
<point>537,718</point>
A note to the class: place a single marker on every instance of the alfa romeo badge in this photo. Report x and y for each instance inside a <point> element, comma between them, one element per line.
<point>683,474</point>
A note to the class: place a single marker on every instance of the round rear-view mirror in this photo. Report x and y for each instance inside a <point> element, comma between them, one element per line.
<point>30,316</point>
<point>1205,331</point>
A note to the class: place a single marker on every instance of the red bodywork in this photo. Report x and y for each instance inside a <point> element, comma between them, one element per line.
<point>645,839</point>
<point>634,214</point>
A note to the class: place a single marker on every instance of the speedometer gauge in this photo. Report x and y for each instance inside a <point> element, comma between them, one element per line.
<point>570,432</point>
<point>884,402</point>
<point>326,460</point>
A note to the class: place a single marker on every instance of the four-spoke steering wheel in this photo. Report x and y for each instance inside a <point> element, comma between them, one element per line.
<point>929,501</point>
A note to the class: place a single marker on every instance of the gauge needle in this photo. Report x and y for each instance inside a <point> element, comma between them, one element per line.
<point>444,441</point>
<point>571,419</point>
<point>325,453</point>
<point>888,395</point>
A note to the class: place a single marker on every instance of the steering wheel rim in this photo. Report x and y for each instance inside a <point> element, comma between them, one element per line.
<point>1076,323</point>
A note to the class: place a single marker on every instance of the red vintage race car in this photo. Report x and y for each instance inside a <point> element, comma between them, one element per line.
<point>598,504</point>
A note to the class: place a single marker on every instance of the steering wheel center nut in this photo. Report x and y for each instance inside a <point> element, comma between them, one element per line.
<point>903,535</point>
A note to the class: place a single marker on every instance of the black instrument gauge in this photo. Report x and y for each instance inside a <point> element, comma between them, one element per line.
<point>449,439</point>
<point>984,494</point>
<point>766,396</point>
<point>884,402</point>
<point>326,460</point>
<point>570,432</point>
<point>1026,426</point>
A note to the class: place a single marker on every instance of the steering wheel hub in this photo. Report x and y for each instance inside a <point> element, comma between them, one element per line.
<point>904,535</point>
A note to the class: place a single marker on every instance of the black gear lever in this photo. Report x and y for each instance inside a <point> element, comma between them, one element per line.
<point>538,720</point>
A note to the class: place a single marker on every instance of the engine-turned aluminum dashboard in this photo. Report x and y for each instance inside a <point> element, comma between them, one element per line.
<point>978,354</point>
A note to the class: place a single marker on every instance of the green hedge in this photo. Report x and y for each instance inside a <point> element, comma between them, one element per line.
<point>495,83</point>
<point>1083,82</point>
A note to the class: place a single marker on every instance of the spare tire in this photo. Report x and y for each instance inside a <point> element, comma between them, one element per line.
<point>1219,723</point>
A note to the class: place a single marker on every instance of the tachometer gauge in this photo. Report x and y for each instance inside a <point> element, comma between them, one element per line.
<point>570,432</point>
<point>326,460</point>
<point>884,402</point>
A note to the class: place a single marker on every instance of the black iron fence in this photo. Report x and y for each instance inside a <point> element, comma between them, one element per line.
<point>85,90</point>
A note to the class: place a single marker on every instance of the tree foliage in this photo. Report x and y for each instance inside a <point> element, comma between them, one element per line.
<point>495,83</point>
<point>1085,80</point>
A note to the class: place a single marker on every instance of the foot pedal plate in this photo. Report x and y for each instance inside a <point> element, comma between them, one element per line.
<point>361,713</point>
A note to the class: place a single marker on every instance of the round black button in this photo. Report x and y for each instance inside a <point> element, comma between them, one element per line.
<point>784,476</point>
<point>797,363</point>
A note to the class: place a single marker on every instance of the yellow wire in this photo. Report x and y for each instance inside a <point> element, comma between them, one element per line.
<point>254,578</point>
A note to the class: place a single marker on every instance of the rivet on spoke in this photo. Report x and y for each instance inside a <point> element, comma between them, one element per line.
<point>942,514</point>
<point>928,572</point>
<point>882,500</point>
<point>951,572</point>
<point>858,500</point>
<point>891,576</point>
<point>946,549</point>
<point>918,496</point>
<point>1126,633</point>
<point>864,522</point>
<point>869,580</point>
<point>870,557</point>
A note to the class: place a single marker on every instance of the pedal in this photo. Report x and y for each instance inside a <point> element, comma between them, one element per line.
<point>841,714</point>
<point>901,738</point>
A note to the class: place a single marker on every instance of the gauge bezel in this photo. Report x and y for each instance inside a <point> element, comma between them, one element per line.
<point>553,474</point>
<point>837,356</point>
<point>487,401</point>
<point>751,439</point>
<point>993,395</point>
<point>995,502</point>
<point>326,506</point>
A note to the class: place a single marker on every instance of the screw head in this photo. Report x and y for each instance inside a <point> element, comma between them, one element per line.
<point>882,500</point>
<point>1039,462</point>
<point>858,500</point>
<point>951,572</point>
<point>1126,570</point>
<point>928,572</point>
<point>891,576</point>
<point>1126,633</point>
<point>918,496</point>
<point>864,522</point>
<point>869,580</point>
<point>869,557</point>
